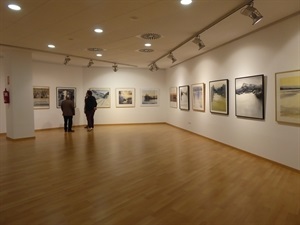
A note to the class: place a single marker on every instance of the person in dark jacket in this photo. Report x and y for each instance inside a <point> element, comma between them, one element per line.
<point>68,109</point>
<point>89,109</point>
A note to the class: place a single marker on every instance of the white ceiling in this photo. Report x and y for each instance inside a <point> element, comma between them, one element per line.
<point>69,25</point>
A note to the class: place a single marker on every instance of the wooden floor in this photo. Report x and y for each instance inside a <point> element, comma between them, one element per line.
<point>140,175</point>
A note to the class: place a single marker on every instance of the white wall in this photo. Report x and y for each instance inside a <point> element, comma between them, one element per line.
<point>274,49</point>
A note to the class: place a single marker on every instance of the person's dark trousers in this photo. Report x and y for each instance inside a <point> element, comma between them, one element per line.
<point>68,123</point>
<point>90,118</point>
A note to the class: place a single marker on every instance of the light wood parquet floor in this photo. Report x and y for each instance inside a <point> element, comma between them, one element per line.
<point>151,174</point>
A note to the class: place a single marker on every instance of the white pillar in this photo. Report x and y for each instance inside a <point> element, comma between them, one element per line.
<point>18,76</point>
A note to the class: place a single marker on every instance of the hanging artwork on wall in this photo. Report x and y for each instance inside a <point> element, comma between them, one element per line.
<point>102,96</point>
<point>198,97</point>
<point>249,97</point>
<point>184,97</point>
<point>288,97</point>
<point>125,97</point>
<point>173,97</point>
<point>149,97</point>
<point>219,96</point>
<point>41,97</point>
<point>63,92</point>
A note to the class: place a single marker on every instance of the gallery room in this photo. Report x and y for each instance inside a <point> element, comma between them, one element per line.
<point>197,118</point>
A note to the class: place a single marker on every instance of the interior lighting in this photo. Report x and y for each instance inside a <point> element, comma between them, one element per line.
<point>14,7</point>
<point>185,2</point>
<point>253,13</point>
<point>171,56</point>
<point>197,40</point>
<point>90,63</point>
<point>51,46</point>
<point>148,45</point>
<point>98,30</point>
<point>115,67</point>
<point>67,59</point>
<point>153,67</point>
<point>99,55</point>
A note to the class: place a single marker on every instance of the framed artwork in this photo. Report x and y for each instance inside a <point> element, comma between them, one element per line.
<point>219,96</point>
<point>149,97</point>
<point>102,96</point>
<point>125,97</point>
<point>62,92</point>
<point>288,97</point>
<point>198,97</point>
<point>41,97</point>
<point>184,97</point>
<point>249,97</point>
<point>173,97</point>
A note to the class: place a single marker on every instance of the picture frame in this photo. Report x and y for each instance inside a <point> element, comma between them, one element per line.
<point>103,97</point>
<point>173,97</point>
<point>219,101</point>
<point>184,97</point>
<point>249,97</point>
<point>41,97</point>
<point>198,97</point>
<point>62,92</point>
<point>287,94</point>
<point>150,97</point>
<point>125,97</point>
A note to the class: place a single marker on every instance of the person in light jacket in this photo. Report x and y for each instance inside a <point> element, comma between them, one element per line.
<point>68,109</point>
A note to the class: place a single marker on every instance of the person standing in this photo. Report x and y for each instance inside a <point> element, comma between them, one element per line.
<point>90,108</point>
<point>68,109</point>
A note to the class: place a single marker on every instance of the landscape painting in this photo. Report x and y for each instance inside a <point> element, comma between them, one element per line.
<point>41,97</point>
<point>198,97</point>
<point>288,97</point>
<point>173,97</point>
<point>219,96</point>
<point>102,96</point>
<point>149,97</point>
<point>249,97</point>
<point>125,97</point>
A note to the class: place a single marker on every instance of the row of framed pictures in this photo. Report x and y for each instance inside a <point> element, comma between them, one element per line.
<point>125,97</point>
<point>249,97</point>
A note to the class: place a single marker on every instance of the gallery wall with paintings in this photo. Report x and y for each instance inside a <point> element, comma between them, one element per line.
<point>248,92</point>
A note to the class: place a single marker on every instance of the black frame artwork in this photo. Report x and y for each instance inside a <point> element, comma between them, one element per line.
<point>219,101</point>
<point>62,92</point>
<point>184,97</point>
<point>249,97</point>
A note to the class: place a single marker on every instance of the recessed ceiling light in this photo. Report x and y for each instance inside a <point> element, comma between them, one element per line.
<point>147,44</point>
<point>14,7</point>
<point>98,30</point>
<point>99,55</point>
<point>51,46</point>
<point>185,2</point>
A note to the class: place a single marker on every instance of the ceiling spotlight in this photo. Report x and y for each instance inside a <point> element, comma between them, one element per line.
<point>171,56</point>
<point>115,67</point>
<point>197,40</point>
<point>253,13</point>
<point>90,63</point>
<point>153,67</point>
<point>67,59</point>
<point>185,2</point>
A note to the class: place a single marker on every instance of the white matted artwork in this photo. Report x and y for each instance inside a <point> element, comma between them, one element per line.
<point>41,97</point>
<point>173,97</point>
<point>149,97</point>
<point>198,97</point>
<point>125,97</point>
<point>102,96</point>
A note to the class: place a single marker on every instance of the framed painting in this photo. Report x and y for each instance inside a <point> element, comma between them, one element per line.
<point>219,96</point>
<point>102,96</point>
<point>149,97</point>
<point>249,97</point>
<point>125,97</point>
<point>198,97</point>
<point>288,97</point>
<point>63,92</point>
<point>41,97</point>
<point>173,97</point>
<point>184,97</point>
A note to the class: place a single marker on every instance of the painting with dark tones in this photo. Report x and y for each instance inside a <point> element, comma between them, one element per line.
<point>184,97</point>
<point>41,97</point>
<point>219,96</point>
<point>125,97</point>
<point>102,96</point>
<point>173,97</point>
<point>249,97</point>
<point>198,97</point>
<point>288,97</point>
<point>63,92</point>
<point>149,97</point>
